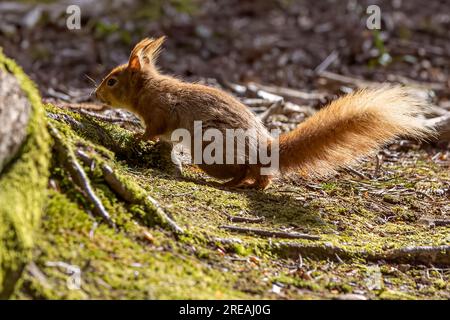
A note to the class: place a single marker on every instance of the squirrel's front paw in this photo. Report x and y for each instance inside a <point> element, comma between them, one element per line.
<point>145,137</point>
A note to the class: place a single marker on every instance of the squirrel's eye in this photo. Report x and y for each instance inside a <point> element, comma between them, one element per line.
<point>111,82</point>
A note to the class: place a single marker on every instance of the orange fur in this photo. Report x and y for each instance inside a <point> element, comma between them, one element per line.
<point>338,135</point>
<point>351,127</point>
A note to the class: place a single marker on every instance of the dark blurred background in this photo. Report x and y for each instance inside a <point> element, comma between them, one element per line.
<point>277,42</point>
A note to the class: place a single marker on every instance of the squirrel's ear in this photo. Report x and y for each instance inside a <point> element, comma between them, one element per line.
<point>134,62</point>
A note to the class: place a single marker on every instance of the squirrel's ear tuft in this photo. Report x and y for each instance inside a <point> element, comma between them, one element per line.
<point>145,52</point>
<point>152,49</point>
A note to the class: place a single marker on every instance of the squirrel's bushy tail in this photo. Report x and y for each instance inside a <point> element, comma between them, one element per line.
<point>351,127</point>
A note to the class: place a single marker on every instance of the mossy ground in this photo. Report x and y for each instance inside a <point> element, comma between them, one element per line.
<point>143,260</point>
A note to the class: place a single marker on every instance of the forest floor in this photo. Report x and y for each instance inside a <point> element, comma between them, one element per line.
<point>373,233</point>
<point>378,231</point>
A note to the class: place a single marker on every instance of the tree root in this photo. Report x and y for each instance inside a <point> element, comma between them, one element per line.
<point>435,221</point>
<point>438,255</point>
<point>79,176</point>
<point>127,193</point>
<point>130,196</point>
<point>164,217</point>
<point>314,251</point>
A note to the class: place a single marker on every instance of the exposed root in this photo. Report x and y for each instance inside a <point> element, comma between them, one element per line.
<point>427,255</point>
<point>125,192</point>
<point>439,255</point>
<point>114,183</point>
<point>314,251</point>
<point>275,108</point>
<point>164,217</point>
<point>79,176</point>
<point>436,222</point>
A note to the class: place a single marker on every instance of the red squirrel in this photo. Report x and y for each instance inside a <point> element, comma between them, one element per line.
<point>347,129</point>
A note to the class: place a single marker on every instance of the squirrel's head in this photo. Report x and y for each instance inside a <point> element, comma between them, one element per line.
<point>121,86</point>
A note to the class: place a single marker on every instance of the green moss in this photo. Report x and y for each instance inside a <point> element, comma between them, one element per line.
<point>116,265</point>
<point>395,295</point>
<point>22,188</point>
<point>298,282</point>
<point>240,249</point>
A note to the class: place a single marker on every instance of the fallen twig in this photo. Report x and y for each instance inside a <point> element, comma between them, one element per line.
<point>357,173</point>
<point>268,233</point>
<point>256,90</point>
<point>276,100</point>
<point>378,162</point>
<point>58,95</point>
<point>276,107</point>
<point>226,240</point>
<point>74,281</point>
<point>236,88</point>
<point>244,219</point>
<point>256,102</point>
<point>359,83</point>
<point>423,194</point>
<point>327,62</point>
<point>288,92</point>
<point>290,107</point>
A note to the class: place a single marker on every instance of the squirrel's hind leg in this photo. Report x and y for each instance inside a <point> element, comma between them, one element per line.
<point>251,178</point>
<point>260,183</point>
<point>263,182</point>
<point>238,179</point>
